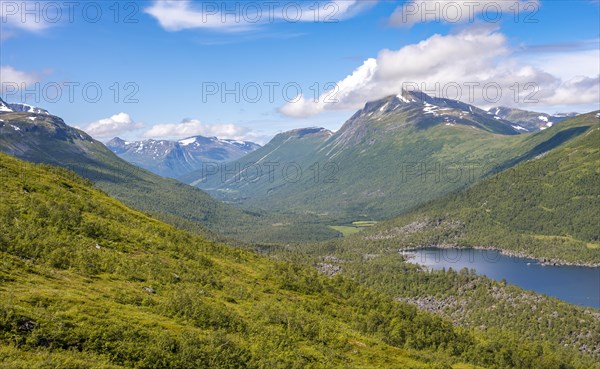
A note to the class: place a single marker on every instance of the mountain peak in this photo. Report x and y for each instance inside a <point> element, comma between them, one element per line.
<point>303,132</point>
<point>116,141</point>
<point>20,108</point>
<point>407,99</point>
<point>4,107</point>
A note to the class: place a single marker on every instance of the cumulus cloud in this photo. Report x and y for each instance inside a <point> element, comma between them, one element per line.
<point>177,15</point>
<point>461,11</point>
<point>475,66</point>
<point>113,126</point>
<point>193,127</point>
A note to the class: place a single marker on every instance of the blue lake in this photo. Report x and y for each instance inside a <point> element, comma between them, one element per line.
<point>575,284</point>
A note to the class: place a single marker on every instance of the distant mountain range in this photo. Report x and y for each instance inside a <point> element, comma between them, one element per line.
<point>391,156</point>
<point>176,158</point>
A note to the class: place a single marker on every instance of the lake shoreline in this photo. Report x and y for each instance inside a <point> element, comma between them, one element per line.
<point>510,253</point>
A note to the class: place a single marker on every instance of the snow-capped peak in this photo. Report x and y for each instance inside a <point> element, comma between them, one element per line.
<point>187,141</point>
<point>402,98</point>
<point>230,141</point>
<point>20,108</point>
<point>4,108</point>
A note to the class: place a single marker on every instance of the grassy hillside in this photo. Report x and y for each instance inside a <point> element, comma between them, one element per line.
<point>546,206</point>
<point>86,282</point>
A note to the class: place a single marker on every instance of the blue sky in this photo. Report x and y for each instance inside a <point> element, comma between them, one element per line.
<point>164,64</point>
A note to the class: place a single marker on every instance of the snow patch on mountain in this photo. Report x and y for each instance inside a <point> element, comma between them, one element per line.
<point>430,109</point>
<point>402,98</point>
<point>519,128</point>
<point>187,141</point>
<point>234,142</point>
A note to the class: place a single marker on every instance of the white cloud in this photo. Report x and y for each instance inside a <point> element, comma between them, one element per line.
<point>577,91</point>
<point>32,17</point>
<point>11,75</point>
<point>177,15</point>
<point>567,64</point>
<point>471,66</point>
<point>461,11</point>
<point>193,127</point>
<point>113,126</point>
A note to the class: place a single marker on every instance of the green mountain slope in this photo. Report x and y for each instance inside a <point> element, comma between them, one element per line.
<point>546,206</point>
<point>266,166</point>
<point>394,155</point>
<point>86,282</point>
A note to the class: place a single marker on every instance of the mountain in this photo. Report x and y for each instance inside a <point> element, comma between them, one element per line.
<point>115,288</point>
<point>287,147</point>
<point>393,155</point>
<point>42,138</point>
<point>546,206</point>
<point>529,121</point>
<point>17,107</point>
<point>176,158</point>
<point>423,111</point>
